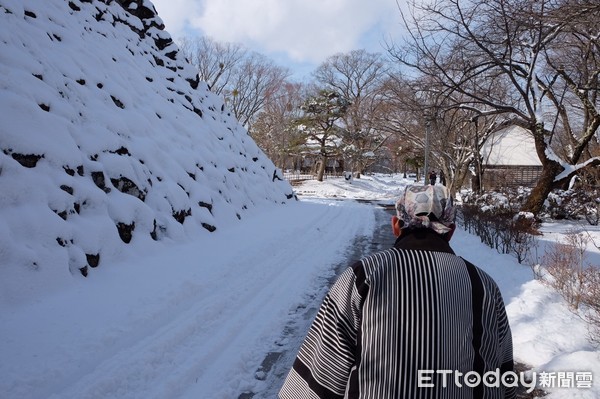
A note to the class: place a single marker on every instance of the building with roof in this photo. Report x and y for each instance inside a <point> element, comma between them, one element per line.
<point>510,159</point>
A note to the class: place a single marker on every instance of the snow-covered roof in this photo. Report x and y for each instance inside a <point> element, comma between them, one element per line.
<point>513,146</point>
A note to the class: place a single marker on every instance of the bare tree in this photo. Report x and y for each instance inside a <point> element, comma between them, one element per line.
<point>406,156</point>
<point>273,130</point>
<point>255,81</point>
<point>423,118</point>
<point>215,61</point>
<point>357,76</point>
<point>574,64</point>
<point>473,48</point>
<point>402,118</point>
<point>246,80</point>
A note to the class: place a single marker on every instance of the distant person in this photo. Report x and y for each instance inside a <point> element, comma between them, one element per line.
<point>432,178</point>
<point>442,178</point>
<point>396,318</point>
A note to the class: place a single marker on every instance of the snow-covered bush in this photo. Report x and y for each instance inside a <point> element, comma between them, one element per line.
<point>496,219</point>
<point>574,204</point>
<point>580,201</point>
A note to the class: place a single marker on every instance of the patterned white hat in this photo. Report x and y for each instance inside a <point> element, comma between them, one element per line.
<point>426,206</point>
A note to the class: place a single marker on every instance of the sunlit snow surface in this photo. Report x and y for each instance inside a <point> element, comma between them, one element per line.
<point>193,314</point>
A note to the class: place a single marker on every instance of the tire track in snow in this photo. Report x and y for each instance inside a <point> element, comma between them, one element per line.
<point>276,364</point>
<point>187,356</point>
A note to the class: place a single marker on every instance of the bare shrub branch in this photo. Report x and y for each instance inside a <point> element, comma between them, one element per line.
<point>578,283</point>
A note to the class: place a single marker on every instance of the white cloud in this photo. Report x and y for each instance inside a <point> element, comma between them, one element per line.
<point>304,30</point>
<point>176,14</point>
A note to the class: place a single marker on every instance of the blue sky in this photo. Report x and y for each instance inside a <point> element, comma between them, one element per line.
<point>298,34</point>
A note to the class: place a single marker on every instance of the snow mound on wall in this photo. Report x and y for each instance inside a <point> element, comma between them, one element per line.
<point>109,142</point>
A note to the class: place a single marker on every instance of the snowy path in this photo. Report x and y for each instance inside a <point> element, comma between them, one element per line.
<point>199,331</point>
<point>278,361</point>
<point>204,319</point>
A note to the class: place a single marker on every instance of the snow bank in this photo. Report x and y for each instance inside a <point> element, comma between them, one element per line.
<point>109,144</point>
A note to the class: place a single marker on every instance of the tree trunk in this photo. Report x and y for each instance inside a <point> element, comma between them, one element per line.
<point>476,183</point>
<point>550,169</point>
<point>535,201</point>
<point>322,166</point>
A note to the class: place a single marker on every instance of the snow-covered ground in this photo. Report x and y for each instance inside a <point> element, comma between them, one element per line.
<point>198,318</point>
<point>102,132</point>
<point>104,129</point>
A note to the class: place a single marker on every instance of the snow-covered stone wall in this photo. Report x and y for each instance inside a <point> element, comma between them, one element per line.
<point>108,141</point>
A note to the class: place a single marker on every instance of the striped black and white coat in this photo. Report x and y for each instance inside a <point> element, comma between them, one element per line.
<point>416,306</point>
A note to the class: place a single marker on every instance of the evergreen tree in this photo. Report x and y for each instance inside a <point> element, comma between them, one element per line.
<point>318,124</point>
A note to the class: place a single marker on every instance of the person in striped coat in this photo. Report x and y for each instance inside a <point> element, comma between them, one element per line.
<point>414,321</point>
